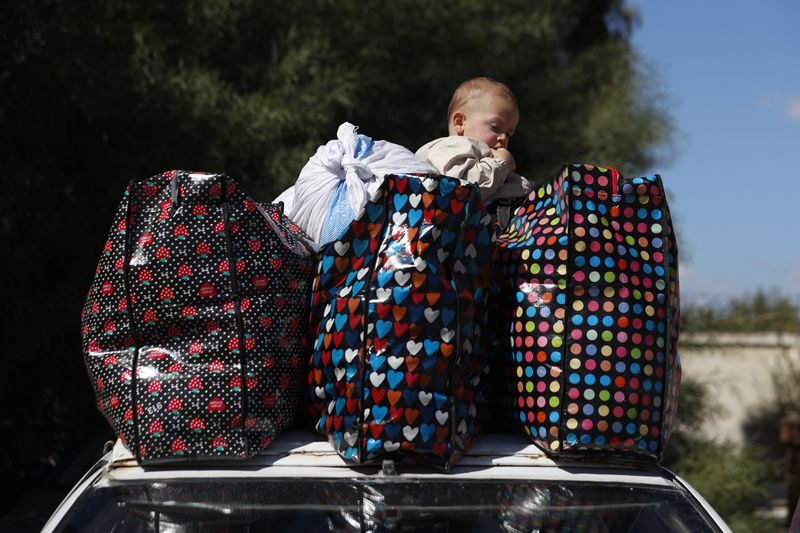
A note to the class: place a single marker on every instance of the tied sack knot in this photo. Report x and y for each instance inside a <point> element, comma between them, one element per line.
<point>354,171</point>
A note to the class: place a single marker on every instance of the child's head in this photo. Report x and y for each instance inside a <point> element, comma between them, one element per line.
<point>483,109</point>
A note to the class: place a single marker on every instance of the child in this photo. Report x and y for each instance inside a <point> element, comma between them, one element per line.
<point>481,119</point>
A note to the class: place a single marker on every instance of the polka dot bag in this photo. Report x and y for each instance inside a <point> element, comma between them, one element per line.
<point>591,363</point>
<point>194,327</point>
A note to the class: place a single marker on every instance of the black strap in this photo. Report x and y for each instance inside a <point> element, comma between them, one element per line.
<point>126,259</point>
<point>237,306</point>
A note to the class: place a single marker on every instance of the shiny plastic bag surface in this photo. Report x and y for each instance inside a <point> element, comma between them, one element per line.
<point>592,363</point>
<point>397,308</point>
<point>194,327</point>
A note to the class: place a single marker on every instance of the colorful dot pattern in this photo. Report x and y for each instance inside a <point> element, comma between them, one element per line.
<point>398,355</point>
<point>592,363</point>
<point>194,327</point>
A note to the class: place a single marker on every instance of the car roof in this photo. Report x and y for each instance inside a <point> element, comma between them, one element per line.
<point>301,454</point>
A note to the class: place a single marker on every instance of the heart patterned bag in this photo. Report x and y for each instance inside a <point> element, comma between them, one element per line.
<point>397,307</point>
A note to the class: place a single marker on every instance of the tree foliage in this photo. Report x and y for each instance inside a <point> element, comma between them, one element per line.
<point>735,480</point>
<point>252,87</point>
<point>97,92</point>
<point>757,311</point>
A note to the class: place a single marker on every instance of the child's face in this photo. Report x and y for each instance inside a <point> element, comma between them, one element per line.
<point>491,119</point>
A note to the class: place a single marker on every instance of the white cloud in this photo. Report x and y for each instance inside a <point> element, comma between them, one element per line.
<point>793,108</point>
<point>791,278</point>
<point>768,100</point>
<point>789,104</point>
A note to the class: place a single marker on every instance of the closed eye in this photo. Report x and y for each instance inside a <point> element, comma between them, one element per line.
<point>497,129</point>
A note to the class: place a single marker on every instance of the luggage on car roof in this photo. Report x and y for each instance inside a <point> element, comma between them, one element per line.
<point>194,326</point>
<point>397,310</point>
<point>592,362</point>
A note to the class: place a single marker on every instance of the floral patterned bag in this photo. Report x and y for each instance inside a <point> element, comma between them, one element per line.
<point>194,326</point>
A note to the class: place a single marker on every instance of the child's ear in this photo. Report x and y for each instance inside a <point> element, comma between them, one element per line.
<point>457,123</point>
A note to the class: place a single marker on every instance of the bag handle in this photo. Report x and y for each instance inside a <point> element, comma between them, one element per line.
<point>174,189</point>
<point>614,181</point>
<point>126,260</point>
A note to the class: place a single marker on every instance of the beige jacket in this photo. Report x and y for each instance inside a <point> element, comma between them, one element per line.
<point>472,160</point>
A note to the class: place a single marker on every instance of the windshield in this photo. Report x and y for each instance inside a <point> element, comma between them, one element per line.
<point>383,504</point>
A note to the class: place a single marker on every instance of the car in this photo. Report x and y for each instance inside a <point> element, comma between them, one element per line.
<point>300,483</point>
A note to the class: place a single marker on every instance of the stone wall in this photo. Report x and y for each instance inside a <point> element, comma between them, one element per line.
<point>739,370</point>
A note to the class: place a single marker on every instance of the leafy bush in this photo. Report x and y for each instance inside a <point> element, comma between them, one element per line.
<point>735,481</point>
<point>759,311</point>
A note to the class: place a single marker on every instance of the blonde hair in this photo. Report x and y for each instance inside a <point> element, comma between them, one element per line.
<point>473,89</point>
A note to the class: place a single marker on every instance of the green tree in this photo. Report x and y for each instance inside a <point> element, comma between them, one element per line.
<point>757,311</point>
<point>735,480</point>
<point>97,92</point>
<point>583,93</point>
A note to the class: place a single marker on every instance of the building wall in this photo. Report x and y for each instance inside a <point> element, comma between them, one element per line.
<point>739,370</point>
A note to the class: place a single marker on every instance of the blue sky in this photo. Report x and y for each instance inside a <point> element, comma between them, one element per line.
<point>731,71</point>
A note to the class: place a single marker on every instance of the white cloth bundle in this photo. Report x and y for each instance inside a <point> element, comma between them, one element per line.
<point>347,159</point>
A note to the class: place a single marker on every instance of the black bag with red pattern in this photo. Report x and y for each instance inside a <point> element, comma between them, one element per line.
<point>194,329</point>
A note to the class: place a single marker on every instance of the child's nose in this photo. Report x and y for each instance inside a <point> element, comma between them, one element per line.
<point>502,140</point>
